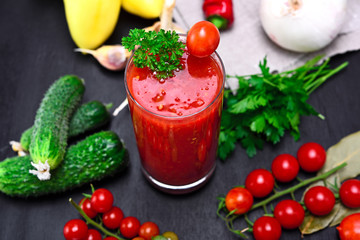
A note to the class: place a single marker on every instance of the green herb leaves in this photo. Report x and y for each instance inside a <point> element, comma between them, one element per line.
<point>159,51</point>
<point>268,104</point>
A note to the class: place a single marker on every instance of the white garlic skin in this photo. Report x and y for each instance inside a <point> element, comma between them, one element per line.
<point>302,25</point>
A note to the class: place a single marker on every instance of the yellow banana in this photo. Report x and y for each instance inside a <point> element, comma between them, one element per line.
<point>144,8</point>
<point>91,22</point>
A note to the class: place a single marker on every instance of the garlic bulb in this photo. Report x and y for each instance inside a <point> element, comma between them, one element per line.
<point>302,25</point>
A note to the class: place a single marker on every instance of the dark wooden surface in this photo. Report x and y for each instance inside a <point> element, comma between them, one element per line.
<point>36,49</point>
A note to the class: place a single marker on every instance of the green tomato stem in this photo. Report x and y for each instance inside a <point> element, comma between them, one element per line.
<point>92,222</point>
<point>296,187</point>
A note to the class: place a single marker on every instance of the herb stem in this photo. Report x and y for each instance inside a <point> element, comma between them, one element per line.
<point>309,89</point>
<point>92,222</point>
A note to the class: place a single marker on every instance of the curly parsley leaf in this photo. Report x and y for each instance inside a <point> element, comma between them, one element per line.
<point>159,51</point>
<point>266,105</point>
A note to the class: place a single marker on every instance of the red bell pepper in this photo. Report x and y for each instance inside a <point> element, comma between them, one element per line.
<point>219,12</point>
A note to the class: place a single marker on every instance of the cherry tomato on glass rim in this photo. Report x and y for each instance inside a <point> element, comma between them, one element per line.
<point>202,39</point>
<point>113,217</point>
<point>75,229</point>
<point>311,157</point>
<point>85,205</point>
<point>349,228</point>
<point>239,199</point>
<point>260,182</point>
<point>102,200</point>
<point>285,167</point>
<point>289,213</point>
<point>319,200</point>
<point>148,230</point>
<point>266,228</point>
<point>93,235</point>
<point>129,227</point>
<point>350,193</point>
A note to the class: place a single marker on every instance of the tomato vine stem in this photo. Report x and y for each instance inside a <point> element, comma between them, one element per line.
<point>92,222</point>
<point>297,186</point>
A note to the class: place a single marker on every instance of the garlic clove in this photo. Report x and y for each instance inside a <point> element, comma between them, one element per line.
<point>112,57</point>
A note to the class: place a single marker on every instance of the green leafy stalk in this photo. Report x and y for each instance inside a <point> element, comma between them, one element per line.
<point>230,217</point>
<point>92,222</point>
<point>266,105</point>
<point>160,51</point>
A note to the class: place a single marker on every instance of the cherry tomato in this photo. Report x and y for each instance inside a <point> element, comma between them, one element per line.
<point>311,157</point>
<point>289,213</point>
<point>85,205</point>
<point>129,227</point>
<point>102,200</point>
<point>138,238</point>
<point>93,235</point>
<point>240,199</point>
<point>349,228</point>
<point>350,193</point>
<point>75,229</point>
<point>202,39</point>
<point>112,218</point>
<point>319,200</point>
<point>260,183</point>
<point>285,167</point>
<point>266,228</point>
<point>148,230</point>
<point>170,235</point>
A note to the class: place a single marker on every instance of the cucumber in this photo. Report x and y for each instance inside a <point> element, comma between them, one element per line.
<point>87,117</point>
<point>99,155</point>
<point>50,134</point>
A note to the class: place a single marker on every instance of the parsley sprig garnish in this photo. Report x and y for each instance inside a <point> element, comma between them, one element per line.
<point>159,51</point>
<point>268,104</point>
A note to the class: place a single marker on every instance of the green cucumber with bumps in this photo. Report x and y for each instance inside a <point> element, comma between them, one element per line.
<point>50,133</point>
<point>87,117</point>
<point>94,158</point>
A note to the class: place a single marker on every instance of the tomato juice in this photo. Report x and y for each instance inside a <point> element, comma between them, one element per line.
<point>177,120</point>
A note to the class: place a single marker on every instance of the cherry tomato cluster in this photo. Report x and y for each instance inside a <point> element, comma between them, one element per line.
<point>101,204</point>
<point>289,214</point>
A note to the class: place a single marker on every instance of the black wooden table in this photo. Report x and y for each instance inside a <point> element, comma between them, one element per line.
<point>36,49</point>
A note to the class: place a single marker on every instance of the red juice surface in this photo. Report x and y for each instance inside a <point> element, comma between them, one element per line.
<point>176,121</point>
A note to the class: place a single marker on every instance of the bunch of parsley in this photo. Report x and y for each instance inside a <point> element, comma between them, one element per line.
<point>268,104</point>
<point>159,51</point>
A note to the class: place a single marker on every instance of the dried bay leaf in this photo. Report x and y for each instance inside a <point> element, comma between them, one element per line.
<point>313,223</point>
<point>346,150</point>
<point>342,213</point>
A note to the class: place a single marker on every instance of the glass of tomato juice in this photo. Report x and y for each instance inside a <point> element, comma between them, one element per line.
<point>177,121</point>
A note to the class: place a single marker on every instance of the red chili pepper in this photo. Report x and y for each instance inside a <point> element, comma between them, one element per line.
<point>219,12</point>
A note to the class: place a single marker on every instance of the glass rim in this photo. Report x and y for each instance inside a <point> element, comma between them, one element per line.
<point>218,59</point>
